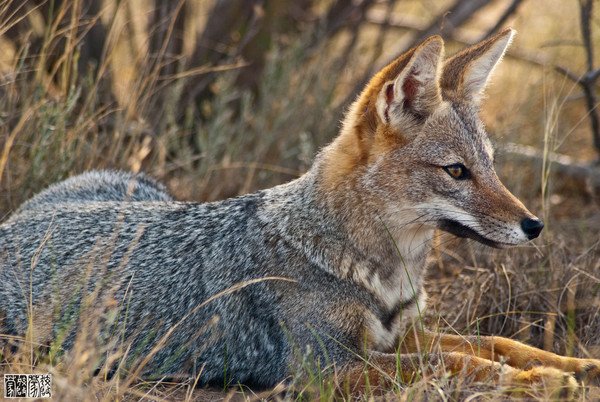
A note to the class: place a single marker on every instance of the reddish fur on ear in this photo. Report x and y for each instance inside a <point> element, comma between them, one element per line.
<point>389,93</point>
<point>389,97</point>
<point>410,91</point>
<point>364,112</point>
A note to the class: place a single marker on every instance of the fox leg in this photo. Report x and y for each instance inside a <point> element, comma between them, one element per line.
<point>495,348</point>
<point>381,370</point>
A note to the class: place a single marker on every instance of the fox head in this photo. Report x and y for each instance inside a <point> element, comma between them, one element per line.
<point>415,145</point>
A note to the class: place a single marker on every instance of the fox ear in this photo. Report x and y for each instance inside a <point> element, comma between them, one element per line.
<point>466,75</point>
<point>415,91</point>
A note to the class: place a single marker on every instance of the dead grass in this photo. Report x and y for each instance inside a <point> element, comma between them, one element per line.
<point>547,294</point>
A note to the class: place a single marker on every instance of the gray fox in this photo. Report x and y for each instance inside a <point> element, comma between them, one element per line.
<point>330,264</point>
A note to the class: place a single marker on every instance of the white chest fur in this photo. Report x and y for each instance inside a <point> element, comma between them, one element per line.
<point>405,286</point>
<point>385,339</point>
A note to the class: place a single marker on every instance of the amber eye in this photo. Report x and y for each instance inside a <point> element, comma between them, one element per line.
<point>458,171</point>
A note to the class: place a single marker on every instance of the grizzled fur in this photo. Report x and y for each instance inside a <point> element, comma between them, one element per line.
<point>101,185</point>
<point>330,264</point>
<point>180,254</point>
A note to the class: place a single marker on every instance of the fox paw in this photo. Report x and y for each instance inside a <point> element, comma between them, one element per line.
<point>587,370</point>
<point>546,380</point>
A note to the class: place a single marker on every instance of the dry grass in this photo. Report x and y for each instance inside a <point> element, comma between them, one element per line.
<point>547,294</point>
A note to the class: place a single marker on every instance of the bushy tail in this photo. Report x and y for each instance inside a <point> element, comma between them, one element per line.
<point>100,185</point>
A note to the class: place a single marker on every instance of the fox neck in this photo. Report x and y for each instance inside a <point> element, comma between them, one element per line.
<point>397,246</point>
<point>381,250</point>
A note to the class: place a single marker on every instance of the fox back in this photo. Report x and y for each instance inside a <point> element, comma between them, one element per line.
<point>243,289</point>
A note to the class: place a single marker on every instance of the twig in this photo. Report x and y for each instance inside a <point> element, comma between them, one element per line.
<point>453,17</point>
<point>378,50</point>
<point>343,13</point>
<point>353,18</point>
<point>567,73</point>
<point>586,9</point>
<point>588,80</point>
<point>510,10</point>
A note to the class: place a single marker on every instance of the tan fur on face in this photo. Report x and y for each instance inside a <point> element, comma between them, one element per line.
<point>502,203</point>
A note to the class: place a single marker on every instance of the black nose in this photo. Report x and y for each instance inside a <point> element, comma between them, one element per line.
<point>532,227</point>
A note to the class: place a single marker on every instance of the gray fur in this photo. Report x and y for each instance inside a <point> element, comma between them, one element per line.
<point>185,254</point>
<point>100,185</point>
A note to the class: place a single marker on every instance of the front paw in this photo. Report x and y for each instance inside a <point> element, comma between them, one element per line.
<point>586,370</point>
<point>548,381</point>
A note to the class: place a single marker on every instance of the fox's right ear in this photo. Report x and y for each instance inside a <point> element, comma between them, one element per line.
<point>415,91</point>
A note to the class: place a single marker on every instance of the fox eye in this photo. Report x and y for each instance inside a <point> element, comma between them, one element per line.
<point>458,171</point>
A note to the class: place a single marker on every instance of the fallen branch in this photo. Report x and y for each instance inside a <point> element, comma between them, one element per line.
<point>586,173</point>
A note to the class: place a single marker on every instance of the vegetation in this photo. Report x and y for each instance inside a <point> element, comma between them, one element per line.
<point>220,98</point>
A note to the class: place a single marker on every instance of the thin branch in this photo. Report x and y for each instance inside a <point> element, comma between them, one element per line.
<point>460,12</point>
<point>378,50</point>
<point>586,9</point>
<point>343,13</point>
<point>568,73</point>
<point>586,81</point>
<point>510,10</point>
<point>592,76</point>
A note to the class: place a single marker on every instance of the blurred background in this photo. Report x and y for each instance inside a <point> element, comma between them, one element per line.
<point>222,97</point>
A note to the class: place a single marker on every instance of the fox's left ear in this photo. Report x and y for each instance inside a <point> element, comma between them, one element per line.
<point>414,92</point>
<point>466,74</point>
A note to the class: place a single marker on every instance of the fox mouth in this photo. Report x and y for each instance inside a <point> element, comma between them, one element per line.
<point>460,230</point>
